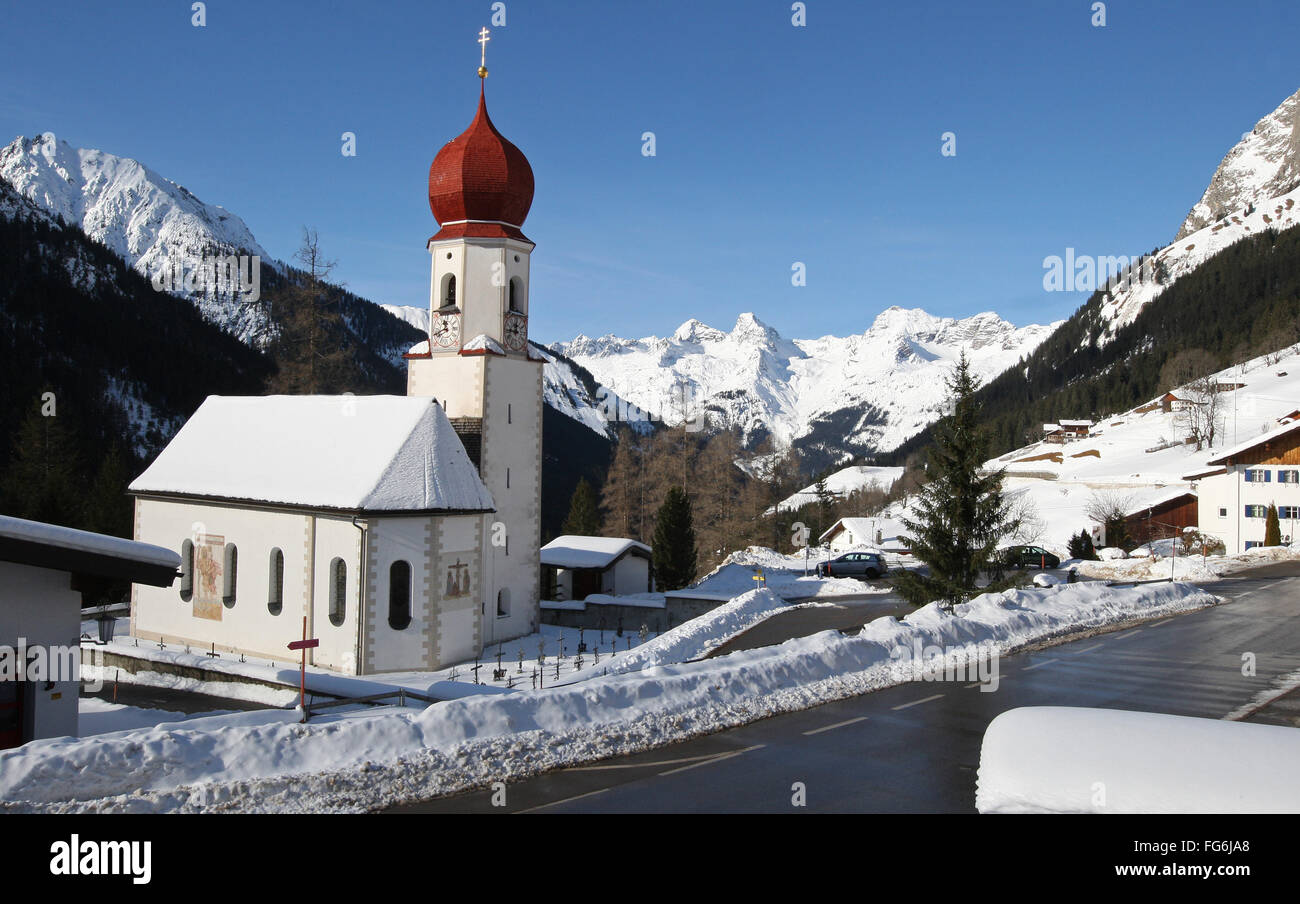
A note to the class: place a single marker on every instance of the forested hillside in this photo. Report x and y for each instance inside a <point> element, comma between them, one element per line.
<point>1243,302</point>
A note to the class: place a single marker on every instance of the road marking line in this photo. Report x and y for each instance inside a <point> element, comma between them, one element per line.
<point>836,725</point>
<point>918,702</point>
<point>1097,646</point>
<point>1165,622</point>
<point>1129,634</point>
<point>684,759</point>
<point>716,759</point>
<point>566,800</point>
<point>1039,665</point>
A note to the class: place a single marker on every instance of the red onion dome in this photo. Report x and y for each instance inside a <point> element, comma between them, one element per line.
<point>480,185</point>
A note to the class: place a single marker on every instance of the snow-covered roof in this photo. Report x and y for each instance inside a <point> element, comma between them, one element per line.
<point>355,453</point>
<point>571,551</point>
<point>483,343</point>
<point>859,527</point>
<point>1275,433</point>
<point>1159,499</point>
<point>87,541</point>
<point>54,546</point>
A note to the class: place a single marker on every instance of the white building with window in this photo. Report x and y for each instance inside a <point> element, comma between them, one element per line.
<point>1237,486</point>
<point>406,530</point>
<point>362,514</point>
<point>49,573</point>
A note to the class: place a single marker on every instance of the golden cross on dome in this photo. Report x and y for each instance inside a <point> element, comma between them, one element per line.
<point>483,42</point>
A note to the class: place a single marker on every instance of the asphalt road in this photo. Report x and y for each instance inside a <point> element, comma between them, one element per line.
<point>915,747</point>
<point>842,615</point>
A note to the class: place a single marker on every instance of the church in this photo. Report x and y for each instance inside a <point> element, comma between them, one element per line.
<point>403,531</point>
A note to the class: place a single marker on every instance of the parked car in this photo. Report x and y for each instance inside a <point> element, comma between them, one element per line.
<point>1028,557</point>
<point>870,565</point>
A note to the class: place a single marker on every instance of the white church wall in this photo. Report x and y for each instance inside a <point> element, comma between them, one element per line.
<point>512,462</point>
<point>249,625</point>
<point>455,381</point>
<point>410,540</point>
<point>40,607</point>
<point>457,589</point>
<point>337,538</point>
<point>161,613</point>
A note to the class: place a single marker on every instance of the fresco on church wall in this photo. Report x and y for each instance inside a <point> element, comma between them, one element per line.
<point>458,580</point>
<point>209,560</point>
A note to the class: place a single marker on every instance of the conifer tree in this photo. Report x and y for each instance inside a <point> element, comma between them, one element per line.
<point>674,542</point>
<point>41,480</point>
<point>1081,546</point>
<point>108,508</point>
<point>584,512</point>
<point>1272,529</point>
<point>961,514</point>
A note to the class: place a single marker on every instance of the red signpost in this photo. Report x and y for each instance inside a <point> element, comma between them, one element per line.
<point>305,644</point>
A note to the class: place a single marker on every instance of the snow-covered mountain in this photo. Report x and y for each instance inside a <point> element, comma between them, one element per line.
<point>153,223</point>
<point>1256,187</point>
<point>158,226</point>
<point>1263,165</point>
<point>838,396</point>
<point>416,317</point>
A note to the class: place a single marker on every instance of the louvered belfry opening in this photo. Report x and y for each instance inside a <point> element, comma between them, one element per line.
<point>470,431</point>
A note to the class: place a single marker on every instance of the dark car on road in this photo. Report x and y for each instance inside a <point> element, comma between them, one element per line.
<point>870,565</point>
<point>1028,557</point>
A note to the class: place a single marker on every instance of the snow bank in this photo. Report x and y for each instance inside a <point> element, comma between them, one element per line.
<point>355,761</point>
<point>694,639</point>
<point>1054,759</point>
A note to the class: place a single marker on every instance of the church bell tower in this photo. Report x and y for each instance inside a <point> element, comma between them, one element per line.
<point>478,364</point>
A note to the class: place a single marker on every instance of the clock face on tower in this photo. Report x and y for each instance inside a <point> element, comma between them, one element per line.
<point>516,332</point>
<point>445,330</point>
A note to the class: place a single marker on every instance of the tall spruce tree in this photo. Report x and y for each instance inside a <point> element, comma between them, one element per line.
<point>41,481</point>
<point>674,541</point>
<point>960,514</point>
<point>1272,528</point>
<point>584,511</point>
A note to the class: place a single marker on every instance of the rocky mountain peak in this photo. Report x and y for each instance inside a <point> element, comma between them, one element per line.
<point>1264,164</point>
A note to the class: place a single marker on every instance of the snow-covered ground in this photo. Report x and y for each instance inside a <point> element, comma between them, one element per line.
<point>1137,456</point>
<point>1056,759</point>
<point>1182,568</point>
<point>519,657</point>
<point>354,761</point>
<point>99,717</point>
<point>782,573</point>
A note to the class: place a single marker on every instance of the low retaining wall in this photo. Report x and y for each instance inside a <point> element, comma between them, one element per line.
<point>595,616</point>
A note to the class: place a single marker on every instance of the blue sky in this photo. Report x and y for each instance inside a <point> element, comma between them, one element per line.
<point>775,143</point>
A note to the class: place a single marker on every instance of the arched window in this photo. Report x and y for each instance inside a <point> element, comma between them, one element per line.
<point>338,591</point>
<point>503,602</point>
<point>399,595</point>
<point>275,583</point>
<point>516,295</point>
<point>448,299</point>
<point>187,570</point>
<point>229,577</point>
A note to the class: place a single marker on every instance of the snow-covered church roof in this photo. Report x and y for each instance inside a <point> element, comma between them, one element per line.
<point>572,551</point>
<point>355,453</point>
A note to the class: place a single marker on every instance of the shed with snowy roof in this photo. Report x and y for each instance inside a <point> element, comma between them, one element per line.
<point>49,573</point>
<point>363,514</point>
<point>576,567</point>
